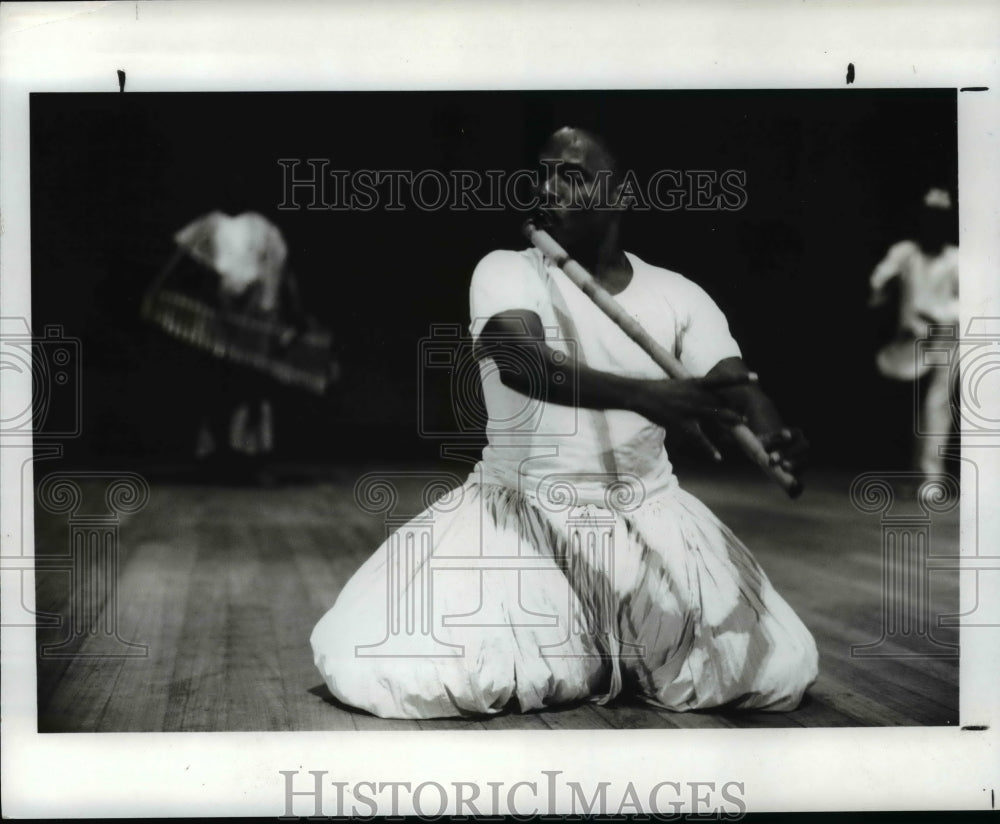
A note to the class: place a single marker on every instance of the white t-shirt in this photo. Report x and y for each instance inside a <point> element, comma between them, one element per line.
<point>534,444</point>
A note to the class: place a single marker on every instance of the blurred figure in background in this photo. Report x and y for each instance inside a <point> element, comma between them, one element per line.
<point>927,272</point>
<point>249,254</point>
<point>228,291</point>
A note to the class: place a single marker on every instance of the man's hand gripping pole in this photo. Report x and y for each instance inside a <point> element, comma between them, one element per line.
<point>665,359</point>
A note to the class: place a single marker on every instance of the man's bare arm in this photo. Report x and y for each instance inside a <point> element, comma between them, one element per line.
<point>527,364</point>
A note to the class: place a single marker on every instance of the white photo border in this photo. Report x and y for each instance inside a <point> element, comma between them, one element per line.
<point>209,46</point>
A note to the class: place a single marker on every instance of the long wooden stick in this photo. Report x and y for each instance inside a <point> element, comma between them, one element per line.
<point>663,357</point>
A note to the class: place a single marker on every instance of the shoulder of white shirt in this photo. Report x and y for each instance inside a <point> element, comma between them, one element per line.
<point>660,275</point>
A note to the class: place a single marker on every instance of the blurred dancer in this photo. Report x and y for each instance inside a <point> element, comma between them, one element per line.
<point>927,272</point>
<point>249,254</point>
<point>229,293</point>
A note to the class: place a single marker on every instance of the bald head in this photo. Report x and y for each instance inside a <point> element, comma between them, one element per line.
<point>579,146</point>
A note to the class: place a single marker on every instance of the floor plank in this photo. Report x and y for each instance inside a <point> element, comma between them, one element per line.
<point>196,700</point>
<point>821,708</point>
<point>452,724</point>
<point>303,692</point>
<point>153,588</point>
<point>864,711</point>
<point>624,714</point>
<point>515,721</point>
<point>255,692</point>
<point>584,716</point>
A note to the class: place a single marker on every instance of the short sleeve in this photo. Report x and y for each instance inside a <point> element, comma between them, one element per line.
<point>704,338</point>
<point>503,281</point>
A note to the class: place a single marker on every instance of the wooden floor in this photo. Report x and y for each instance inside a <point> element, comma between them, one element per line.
<point>223,585</point>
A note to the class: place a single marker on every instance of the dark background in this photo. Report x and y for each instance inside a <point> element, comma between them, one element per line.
<point>833,178</point>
